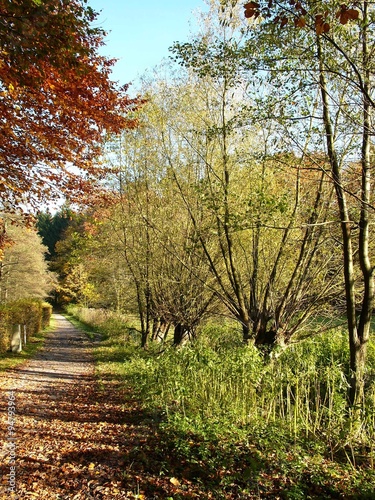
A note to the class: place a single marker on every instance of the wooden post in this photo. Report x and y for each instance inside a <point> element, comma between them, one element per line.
<point>16,342</point>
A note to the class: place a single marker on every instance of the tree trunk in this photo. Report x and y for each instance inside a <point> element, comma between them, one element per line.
<point>358,349</point>
<point>180,334</point>
<point>358,334</point>
<point>266,338</point>
<point>160,329</point>
<point>358,353</point>
<point>156,329</point>
<point>246,333</point>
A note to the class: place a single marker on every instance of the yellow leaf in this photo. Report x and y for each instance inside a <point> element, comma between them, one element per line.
<point>175,481</point>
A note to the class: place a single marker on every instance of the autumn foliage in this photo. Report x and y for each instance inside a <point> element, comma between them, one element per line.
<point>56,100</point>
<point>282,13</point>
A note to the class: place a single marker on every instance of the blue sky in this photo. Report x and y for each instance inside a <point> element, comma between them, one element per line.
<point>140,31</point>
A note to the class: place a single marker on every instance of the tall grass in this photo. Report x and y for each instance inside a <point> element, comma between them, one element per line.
<point>219,387</point>
<point>109,323</point>
<point>219,383</point>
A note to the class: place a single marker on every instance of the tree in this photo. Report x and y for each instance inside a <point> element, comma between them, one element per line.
<point>154,237</point>
<point>72,263</point>
<point>337,41</point>
<point>56,100</point>
<point>51,227</point>
<point>23,271</point>
<point>268,206</point>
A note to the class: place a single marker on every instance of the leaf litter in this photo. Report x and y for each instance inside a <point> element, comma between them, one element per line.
<point>76,440</point>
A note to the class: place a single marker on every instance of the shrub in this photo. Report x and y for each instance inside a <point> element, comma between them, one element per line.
<point>4,333</point>
<point>108,323</point>
<point>32,313</point>
<point>46,314</point>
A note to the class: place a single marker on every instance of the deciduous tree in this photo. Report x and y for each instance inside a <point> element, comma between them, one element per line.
<point>268,205</point>
<point>335,42</point>
<point>56,100</point>
<point>23,271</point>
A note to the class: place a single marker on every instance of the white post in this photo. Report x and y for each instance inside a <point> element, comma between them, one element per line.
<point>24,334</point>
<point>16,342</point>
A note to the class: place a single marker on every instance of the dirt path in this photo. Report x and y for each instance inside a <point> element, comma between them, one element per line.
<point>72,441</point>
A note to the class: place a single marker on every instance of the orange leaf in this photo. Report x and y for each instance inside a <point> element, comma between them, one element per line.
<point>300,22</point>
<point>319,29</point>
<point>320,25</point>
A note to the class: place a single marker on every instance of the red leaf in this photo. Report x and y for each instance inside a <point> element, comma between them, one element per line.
<point>251,5</point>
<point>249,13</point>
<point>344,18</point>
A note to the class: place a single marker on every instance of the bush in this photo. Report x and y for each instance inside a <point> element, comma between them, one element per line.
<point>4,334</point>
<point>108,323</point>
<point>247,423</point>
<point>32,313</point>
<point>217,385</point>
<point>46,314</point>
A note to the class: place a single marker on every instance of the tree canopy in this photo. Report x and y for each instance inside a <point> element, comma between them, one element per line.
<point>57,100</point>
<point>23,271</point>
<point>321,15</point>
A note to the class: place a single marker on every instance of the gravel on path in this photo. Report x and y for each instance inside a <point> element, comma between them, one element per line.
<point>61,438</point>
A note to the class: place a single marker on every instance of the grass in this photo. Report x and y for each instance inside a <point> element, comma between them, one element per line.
<point>89,330</point>
<point>247,426</point>
<point>9,360</point>
<point>103,322</point>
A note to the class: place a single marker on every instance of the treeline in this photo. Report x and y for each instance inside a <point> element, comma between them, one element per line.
<point>169,256</point>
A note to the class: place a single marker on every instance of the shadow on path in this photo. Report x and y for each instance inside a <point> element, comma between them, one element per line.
<point>74,441</point>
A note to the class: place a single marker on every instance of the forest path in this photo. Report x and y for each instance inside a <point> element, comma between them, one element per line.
<point>72,440</point>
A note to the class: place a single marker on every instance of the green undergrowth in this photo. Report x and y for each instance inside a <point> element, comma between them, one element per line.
<point>105,323</point>
<point>9,360</point>
<point>246,425</point>
<point>89,330</point>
